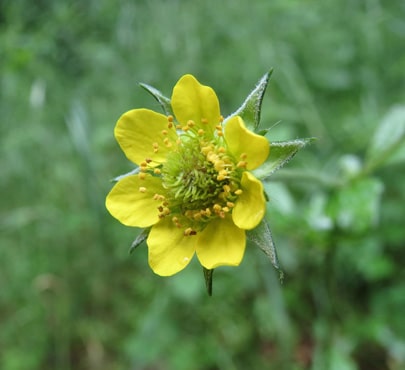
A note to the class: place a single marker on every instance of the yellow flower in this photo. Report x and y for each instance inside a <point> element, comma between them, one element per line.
<point>194,188</point>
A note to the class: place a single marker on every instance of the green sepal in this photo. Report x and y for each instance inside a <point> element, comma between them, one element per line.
<point>164,101</point>
<point>141,237</point>
<point>261,236</point>
<point>250,109</point>
<point>280,153</point>
<point>208,279</point>
<point>130,173</point>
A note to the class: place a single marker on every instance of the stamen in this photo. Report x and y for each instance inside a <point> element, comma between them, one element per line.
<point>189,231</point>
<point>142,189</point>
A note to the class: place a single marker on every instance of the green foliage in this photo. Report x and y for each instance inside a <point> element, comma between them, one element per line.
<point>71,296</point>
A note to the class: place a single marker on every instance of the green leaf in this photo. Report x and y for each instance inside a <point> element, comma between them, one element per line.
<point>280,153</point>
<point>388,138</point>
<point>139,239</point>
<point>208,279</point>
<point>261,236</point>
<point>164,101</point>
<point>251,107</point>
<point>356,206</point>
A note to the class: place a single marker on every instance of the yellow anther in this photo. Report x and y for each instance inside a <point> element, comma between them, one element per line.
<point>221,118</point>
<point>167,142</point>
<point>189,231</point>
<point>221,149</point>
<point>220,133</point>
<point>159,197</point>
<point>230,204</point>
<point>217,207</point>
<point>204,120</point>
<point>227,188</point>
<point>243,156</point>
<point>142,189</point>
<point>157,171</point>
<point>190,123</point>
<point>225,209</point>
<point>241,164</point>
<point>175,219</point>
<point>155,147</point>
<point>206,149</point>
<point>200,132</point>
<point>170,125</point>
<point>148,160</point>
<point>219,165</point>
<point>164,132</point>
<point>170,118</point>
<point>218,127</point>
<point>143,164</point>
<point>238,192</point>
<point>221,177</point>
<point>207,212</point>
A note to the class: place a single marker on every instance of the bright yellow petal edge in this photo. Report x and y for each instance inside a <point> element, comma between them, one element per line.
<point>251,204</point>
<point>196,102</point>
<point>169,251</point>
<point>221,243</point>
<point>241,141</point>
<point>139,130</point>
<point>131,202</point>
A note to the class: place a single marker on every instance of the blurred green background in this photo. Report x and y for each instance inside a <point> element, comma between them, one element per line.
<point>71,297</point>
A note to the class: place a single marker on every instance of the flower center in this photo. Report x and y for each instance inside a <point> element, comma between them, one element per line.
<point>202,181</point>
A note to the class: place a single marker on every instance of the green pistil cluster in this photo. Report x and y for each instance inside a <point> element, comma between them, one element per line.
<point>202,180</point>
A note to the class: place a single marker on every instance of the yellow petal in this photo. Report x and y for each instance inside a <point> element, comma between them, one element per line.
<point>169,250</point>
<point>250,206</point>
<point>221,243</point>
<point>131,200</point>
<point>240,141</point>
<point>139,133</point>
<point>193,101</point>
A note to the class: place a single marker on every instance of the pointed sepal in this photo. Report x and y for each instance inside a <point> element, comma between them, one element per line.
<point>208,279</point>
<point>141,237</point>
<point>163,100</point>
<point>261,237</point>
<point>250,109</point>
<point>281,152</point>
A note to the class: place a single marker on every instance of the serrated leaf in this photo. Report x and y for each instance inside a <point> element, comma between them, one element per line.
<point>280,153</point>
<point>251,107</point>
<point>139,239</point>
<point>261,236</point>
<point>208,279</point>
<point>388,138</point>
<point>164,101</point>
